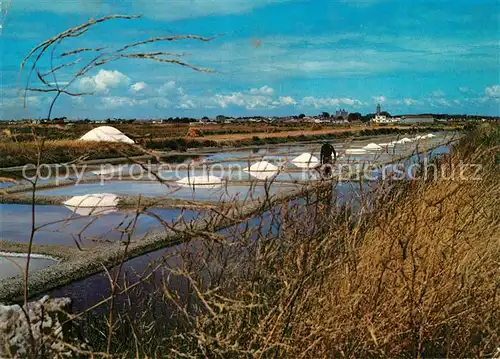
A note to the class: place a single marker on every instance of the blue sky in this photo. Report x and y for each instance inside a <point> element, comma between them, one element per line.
<point>276,57</point>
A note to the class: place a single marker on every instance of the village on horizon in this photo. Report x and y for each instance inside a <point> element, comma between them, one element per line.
<point>340,117</point>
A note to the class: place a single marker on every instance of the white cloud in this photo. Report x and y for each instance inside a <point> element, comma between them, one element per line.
<point>439,102</point>
<point>350,102</point>
<point>410,102</point>
<point>310,101</point>
<point>264,90</point>
<point>463,89</point>
<point>138,86</point>
<point>167,88</point>
<point>187,104</point>
<point>444,102</point>
<point>113,102</point>
<point>493,91</point>
<point>287,100</point>
<point>253,99</point>
<point>248,101</point>
<point>102,81</point>
<point>379,99</point>
<point>18,102</point>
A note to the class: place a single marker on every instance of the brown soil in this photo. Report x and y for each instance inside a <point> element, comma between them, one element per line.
<point>245,136</point>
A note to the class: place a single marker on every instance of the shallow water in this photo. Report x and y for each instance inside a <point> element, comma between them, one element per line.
<point>264,153</point>
<point>154,189</point>
<point>63,227</point>
<point>7,184</point>
<point>13,266</point>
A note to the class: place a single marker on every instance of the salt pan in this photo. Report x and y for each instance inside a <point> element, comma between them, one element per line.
<point>200,181</point>
<point>86,211</point>
<point>355,151</point>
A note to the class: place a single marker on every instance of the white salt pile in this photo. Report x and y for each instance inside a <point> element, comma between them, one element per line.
<point>200,181</point>
<point>405,140</point>
<point>92,204</point>
<point>106,134</point>
<point>306,160</point>
<point>372,147</point>
<point>262,166</point>
<point>86,211</point>
<point>262,170</point>
<point>93,200</point>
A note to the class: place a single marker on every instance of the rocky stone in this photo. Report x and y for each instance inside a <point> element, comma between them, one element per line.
<point>49,330</point>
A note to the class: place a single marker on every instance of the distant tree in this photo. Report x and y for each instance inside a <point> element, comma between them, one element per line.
<point>325,114</point>
<point>367,117</point>
<point>385,113</point>
<point>302,115</point>
<point>59,120</point>
<point>205,118</point>
<point>355,116</point>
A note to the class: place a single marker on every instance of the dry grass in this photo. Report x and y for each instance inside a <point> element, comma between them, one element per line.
<point>60,151</point>
<point>142,131</point>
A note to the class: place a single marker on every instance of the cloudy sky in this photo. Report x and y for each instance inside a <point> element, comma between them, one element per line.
<point>275,57</point>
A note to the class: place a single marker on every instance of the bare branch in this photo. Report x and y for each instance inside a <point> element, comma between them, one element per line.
<point>83,49</point>
<point>60,90</point>
<point>169,38</point>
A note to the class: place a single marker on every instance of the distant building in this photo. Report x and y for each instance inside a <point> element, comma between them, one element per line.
<point>379,118</point>
<point>342,114</point>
